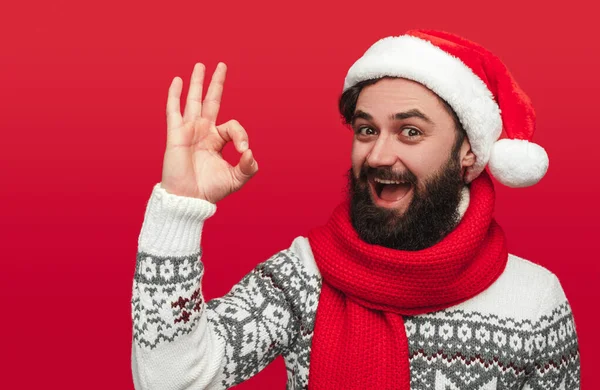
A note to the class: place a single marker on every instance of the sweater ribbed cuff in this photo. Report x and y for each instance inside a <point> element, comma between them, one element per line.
<point>173,224</point>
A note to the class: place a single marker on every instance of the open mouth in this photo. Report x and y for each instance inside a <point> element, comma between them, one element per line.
<point>390,190</point>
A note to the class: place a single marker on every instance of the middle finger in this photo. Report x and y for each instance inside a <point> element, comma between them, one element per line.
<point>212,101</point>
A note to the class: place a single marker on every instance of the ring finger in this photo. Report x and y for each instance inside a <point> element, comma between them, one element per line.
<point>193,105</point>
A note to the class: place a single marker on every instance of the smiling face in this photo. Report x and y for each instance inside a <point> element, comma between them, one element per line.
<point>408,161</point>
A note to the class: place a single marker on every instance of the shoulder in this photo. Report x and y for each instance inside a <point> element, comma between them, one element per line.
<point>524,291</point>
<point>294,272</point>
<point>301,252</point>
<point>527,278</point>
<point>291,267</point>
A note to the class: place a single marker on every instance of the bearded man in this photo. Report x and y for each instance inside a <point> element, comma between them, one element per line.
<point>408,286</point>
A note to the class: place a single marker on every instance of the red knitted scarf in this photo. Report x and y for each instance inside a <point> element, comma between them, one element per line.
<point>359,337</point>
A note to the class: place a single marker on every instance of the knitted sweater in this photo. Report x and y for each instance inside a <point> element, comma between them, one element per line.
<point>517,334</point>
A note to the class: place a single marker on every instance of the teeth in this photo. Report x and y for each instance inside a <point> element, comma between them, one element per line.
<point>388,181</point>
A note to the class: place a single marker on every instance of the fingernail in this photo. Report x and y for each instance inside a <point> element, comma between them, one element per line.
<point>243,146</point>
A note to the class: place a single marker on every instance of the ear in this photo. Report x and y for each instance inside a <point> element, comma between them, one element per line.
<point>467,157</point>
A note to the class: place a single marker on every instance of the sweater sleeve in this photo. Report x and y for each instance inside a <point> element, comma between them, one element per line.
<point>179,340</point>
<point>556,366</point>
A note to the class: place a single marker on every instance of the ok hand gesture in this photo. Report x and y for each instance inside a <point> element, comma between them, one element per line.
<point>193,165</point>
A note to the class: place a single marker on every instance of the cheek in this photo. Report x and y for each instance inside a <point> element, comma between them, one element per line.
<point>425,162</point>
<point>358,156</point>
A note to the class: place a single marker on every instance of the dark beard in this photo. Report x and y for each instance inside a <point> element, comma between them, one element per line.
<point>432,213</point>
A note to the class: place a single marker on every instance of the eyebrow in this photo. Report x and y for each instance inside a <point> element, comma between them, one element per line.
<point>414,113</point>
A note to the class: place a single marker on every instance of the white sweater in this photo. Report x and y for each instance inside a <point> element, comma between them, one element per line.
<point>517,334</point>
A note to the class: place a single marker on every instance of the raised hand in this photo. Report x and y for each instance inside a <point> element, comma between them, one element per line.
<point>193,165</point>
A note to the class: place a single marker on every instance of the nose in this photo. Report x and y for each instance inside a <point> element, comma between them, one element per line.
<point>382,153</point>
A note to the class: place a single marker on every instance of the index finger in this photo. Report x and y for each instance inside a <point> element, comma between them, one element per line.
<point>212,101</point>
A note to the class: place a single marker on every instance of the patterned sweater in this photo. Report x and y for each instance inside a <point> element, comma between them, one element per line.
<point>517,334</point>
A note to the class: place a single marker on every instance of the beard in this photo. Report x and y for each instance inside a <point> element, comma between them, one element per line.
<point>430,216</point>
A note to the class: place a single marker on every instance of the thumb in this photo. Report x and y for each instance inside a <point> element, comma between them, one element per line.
<point>246,168</point>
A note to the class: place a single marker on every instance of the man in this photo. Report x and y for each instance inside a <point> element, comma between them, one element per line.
<point>408,286</point>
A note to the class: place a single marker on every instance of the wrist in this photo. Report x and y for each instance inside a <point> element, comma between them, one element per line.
<point>182,191</point>
<point>173,224</point>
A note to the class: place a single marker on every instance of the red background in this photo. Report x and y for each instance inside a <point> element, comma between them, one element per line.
<point>83,89</point>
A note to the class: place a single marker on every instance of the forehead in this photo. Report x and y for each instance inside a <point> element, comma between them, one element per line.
<point>397,94</point>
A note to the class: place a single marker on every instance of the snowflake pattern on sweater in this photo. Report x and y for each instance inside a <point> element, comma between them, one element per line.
<point>181,341</point>
<point>467,350</point>
<point>168,300</point>
<point>270,312</point>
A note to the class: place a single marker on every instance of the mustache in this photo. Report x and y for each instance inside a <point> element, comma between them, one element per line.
<point>386,173</point>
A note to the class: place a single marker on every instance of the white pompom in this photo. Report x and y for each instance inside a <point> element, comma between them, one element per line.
<point>518,163</point>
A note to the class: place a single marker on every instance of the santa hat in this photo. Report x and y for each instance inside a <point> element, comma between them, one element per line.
<point>478,87</point>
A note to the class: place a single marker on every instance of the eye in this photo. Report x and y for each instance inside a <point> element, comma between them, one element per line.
<point>411,132</point>
<point>365,131</point>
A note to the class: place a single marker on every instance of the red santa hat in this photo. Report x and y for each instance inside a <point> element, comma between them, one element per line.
<point>480,89</point>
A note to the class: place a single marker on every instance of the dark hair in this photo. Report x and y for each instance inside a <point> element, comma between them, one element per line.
<point>347,106</point>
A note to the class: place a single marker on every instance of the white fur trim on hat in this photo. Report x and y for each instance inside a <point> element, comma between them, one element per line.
<point>447,76</point>
<point>517,162</point>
